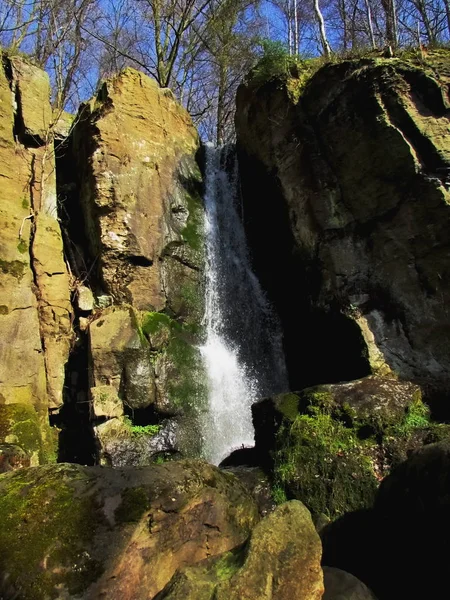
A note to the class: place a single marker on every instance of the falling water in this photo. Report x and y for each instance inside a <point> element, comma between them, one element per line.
<point>243,350</point>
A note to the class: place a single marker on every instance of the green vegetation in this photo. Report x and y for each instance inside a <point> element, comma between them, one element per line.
<point>25,203</point>
<point>331,456</point>
<point>417,417</point>
<point>20,424</point>
<point>141,430</point>
<point>22,246</point>
<point>16,268</point>
<point>193,233</point>
<point>41,509</point>
<point>322,463</point>
<point>278,494</point>
<point>134,503</point>
<point>174,352</point>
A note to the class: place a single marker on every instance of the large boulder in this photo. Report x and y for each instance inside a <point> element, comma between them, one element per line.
<point>346,167</point>
<point>331,445</point>
<point>35,309</point>
<point>280,562</point>
<point>68,531</point>
<point>400,548</point>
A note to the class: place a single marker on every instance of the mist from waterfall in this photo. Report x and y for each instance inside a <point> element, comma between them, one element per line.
<point>243,353</point>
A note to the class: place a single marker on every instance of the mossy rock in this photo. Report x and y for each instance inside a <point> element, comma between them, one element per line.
<point>68,531</point>
<point>43,520</point>
<point>322,462</point>
<point>22,425</point>
<point>332,444</point>
<point>281,561</point>
<point>181,381</point>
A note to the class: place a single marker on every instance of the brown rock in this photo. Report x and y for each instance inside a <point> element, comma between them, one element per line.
<point>281,562</point>
<point>139,183</point>
<point>32,87</point>
<point>35,313</point>
<point>120,357</point>
<point>114,533</point>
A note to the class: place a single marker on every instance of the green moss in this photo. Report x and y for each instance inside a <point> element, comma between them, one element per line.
<point>193,233</point>
<point>278,494</point>
<point>42,522</point>
<point>417,416</point>
<point>228,565</point>
<point>153,322</point>
<point>22,246</point>
<point>141,430</point>
<point>16,268</point>
<point>288,405</point>
<point>322,463</point>
<point>191,295</point>
<point>133,505</point>
<point>21,424</point>
<point>25,203</point>
<point>187,385</point>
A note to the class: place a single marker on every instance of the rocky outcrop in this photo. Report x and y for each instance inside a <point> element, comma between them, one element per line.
<point>331,445</point>
<point>399,548</point>
<point>281,561</point>
<point>35,310</point>
<point>92,532</point>
<point>350,171</point>
<point>135,147</point>
<point>141,256</point>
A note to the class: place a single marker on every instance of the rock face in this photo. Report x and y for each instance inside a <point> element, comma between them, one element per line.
<point>281,561</point>
<point>35,310</point>
<point>400,547</point>
<point>330,445</point>
<point>135,147</point>
<point>141,254</point>
<point>350,172</point>
<point>115,533</point>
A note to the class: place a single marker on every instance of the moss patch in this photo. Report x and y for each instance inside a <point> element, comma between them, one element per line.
<point>20,424</point>
<point>22,246</point>
<point>43,524</point>
<point>16,268</point>
<point>331,454</point>
<point>322,463</point>
<point>133,505</point>
<point>193,233</point>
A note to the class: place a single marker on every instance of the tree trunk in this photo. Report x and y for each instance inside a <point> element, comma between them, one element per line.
<point>323,34</point>
<point>370,24</point>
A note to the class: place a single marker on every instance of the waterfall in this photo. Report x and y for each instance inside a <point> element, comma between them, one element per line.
<point>243,349</point>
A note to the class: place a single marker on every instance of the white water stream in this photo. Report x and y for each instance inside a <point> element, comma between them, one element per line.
<point>243,349</point>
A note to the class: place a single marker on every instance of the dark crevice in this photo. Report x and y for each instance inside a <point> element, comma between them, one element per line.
<point>139,261</point>
<point>143,416</point>
<point>321,345</point>
<point>76,438</point>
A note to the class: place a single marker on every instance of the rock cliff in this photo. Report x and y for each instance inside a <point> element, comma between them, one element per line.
<point>348,174</point>
<point>103,209</point>
<point>35,309</point>
<point>140,256</point>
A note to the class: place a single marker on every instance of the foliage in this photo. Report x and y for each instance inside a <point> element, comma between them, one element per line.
<point>141,430</point>
<point>275,63</point>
